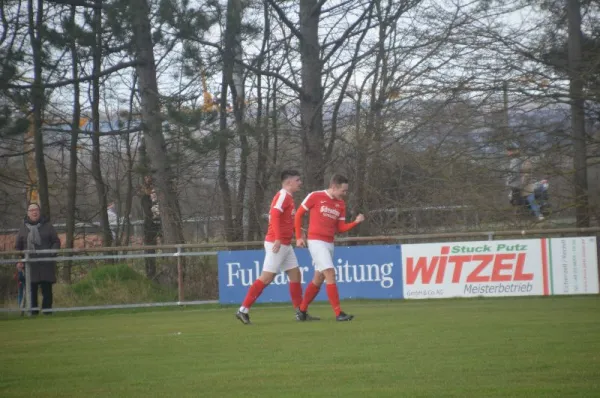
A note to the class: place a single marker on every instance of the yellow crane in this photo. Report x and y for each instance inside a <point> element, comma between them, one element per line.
<point>209,105</point>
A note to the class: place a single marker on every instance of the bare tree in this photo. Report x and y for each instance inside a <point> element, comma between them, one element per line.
<point>75,122</point>
<point>96,169</point>
<point>261,174</point>
<point>151,114</point>
<point>577,112</point>
<point>37,100</point>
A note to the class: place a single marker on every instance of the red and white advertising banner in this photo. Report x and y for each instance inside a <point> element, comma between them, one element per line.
<point>525,267</point>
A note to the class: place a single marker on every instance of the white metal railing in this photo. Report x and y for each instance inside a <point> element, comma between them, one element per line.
<point>265,216</point>
<point>178,251</point>
<point>27,260</point>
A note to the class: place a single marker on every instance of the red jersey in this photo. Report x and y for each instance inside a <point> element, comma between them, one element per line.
<point>326,213</point>
<point>281,218</point>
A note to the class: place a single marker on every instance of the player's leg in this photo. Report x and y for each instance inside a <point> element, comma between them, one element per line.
<point>319,257</point>
<point>334,296</point>
<point>322,254</point>
<point>328,270</point>
<point>332,290</point>
<point>271,266</point>
<point>291,268</point>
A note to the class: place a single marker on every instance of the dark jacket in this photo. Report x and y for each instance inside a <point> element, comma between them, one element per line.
<point>44,271</point>
<point>152,225</point>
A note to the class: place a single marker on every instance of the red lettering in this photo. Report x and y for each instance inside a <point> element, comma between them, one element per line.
<point>500,265</point>
<point>519,275</point>
<point>458,261</point>
<point>484,259</point>
<point>441,270</point>
<point>422,268</point>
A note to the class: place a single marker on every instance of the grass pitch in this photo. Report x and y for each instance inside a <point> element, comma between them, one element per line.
<point>522,347</point>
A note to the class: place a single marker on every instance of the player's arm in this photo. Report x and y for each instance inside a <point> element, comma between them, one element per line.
<point>275,214</point>
<point>275,219</point>
<point>343,226</point>
<point>298,221</point>
<point>306,204</point>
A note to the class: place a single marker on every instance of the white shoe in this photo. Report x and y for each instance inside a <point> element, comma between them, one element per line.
<point>540,218</point>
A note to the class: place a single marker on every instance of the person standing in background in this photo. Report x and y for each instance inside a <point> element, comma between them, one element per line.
<point>37,233</point>
<point>152,225</point>
<point>113,221</point>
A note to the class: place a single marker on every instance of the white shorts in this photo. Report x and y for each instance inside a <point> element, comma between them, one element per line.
<point>321,253</point>
<point>284,260</point>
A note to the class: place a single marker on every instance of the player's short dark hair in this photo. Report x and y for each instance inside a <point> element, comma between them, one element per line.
<point>285,174</point>
<point>338,179</point>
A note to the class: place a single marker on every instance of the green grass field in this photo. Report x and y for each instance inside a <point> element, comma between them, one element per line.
<point>523,347</point>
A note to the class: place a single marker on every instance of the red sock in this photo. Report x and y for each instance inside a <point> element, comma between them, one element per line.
<point>309,295</point>
<point>334,298</point>
<point>296,293</point>
<point>253,293</point>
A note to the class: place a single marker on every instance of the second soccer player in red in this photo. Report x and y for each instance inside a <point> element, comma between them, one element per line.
<point>279,254</point>
<point>327,216</point>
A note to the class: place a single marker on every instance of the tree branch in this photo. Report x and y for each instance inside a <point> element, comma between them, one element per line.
<point>285,19</point>
<point>80,3</point>
<point>63,83</point>
<point>16,154</point>
<point>347,33</point>
<point>102,133</point>
<point>341,5</point>
<point>276,75</point>
<point>208,43</point>
<point>317,7</point>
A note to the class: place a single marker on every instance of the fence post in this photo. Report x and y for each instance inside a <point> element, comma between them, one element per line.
<point>179,275</point>
<point>490,236</point>
<point>27,283</point>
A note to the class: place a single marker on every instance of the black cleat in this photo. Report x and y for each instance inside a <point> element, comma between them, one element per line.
<point>344,317</point>
<point>243,317</point>
<point>305,316</point>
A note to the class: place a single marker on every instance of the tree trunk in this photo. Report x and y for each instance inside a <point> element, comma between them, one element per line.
<point>126,228</point>
<point>262,140</point>
<point>312,93</point>
<point>261,174</point>
<point>37,101</point>
<point>253,212</point>
<point>241,193</point>
<point>372,143</point>
<point>125,240</point>
<point>151,113</point>
<point>72,184</point>
<point>577,113</point>
<point>96,169</point>
<point>274,129</point>
<point>150,229</point>
<point>170,213</point>
<point>239,107</point>
<point>232,50</point>
<point>222,172</point>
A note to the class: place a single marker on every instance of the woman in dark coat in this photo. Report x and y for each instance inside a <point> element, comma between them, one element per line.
<point>37,233</point>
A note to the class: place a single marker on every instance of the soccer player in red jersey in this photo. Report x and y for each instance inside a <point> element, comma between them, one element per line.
<point>327,211</point>
<point>279,254</point>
